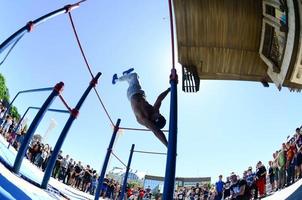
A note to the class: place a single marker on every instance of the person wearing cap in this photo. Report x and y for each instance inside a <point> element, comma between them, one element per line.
<point>146,114</point>
<point>239,189</point>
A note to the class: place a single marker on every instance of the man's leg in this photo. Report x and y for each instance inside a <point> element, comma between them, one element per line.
<point>134,85</point>
<point>114,79</point>
<point>128,71</point>
<point>125,76</point>
<point>131,77</point>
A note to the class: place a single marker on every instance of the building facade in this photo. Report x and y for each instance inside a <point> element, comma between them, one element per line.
<point>158,181</point>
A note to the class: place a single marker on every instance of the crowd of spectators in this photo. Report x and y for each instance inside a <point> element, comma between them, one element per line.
<point>283,170</point>
<point>7,125</point>
<point>204,191</point>
<point>66,170</point>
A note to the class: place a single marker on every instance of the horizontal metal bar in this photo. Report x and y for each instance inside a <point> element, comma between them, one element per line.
<point>52,110</point>
<point>150,152</point>
<point>36,90</point>
<point>138,129</point>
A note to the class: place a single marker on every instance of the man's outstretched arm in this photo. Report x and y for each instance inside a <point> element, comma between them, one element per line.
<point>160,98</point>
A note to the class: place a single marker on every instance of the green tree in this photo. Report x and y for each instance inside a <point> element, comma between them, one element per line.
<point>134,183</point>
<point>14,112</point>
<point>4,93</point>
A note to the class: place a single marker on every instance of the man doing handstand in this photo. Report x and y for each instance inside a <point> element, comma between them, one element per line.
<point>146,114</point>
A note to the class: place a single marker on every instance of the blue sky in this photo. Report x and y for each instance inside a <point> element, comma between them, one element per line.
<point>226,126</point>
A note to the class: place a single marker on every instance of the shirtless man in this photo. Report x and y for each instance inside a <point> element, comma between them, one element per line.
<point>146,114</point>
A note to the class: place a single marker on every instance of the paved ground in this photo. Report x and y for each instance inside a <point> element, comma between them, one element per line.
<point>14,187</point>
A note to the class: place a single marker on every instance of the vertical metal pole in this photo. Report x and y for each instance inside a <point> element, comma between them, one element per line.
<point>172,141</point>
<point>107,157</point>
<point>58,146</point>
<point>127,172</point>
<point>33,126</point>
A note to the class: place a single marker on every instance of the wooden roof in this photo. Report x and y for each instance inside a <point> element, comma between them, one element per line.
<point>221,38</point>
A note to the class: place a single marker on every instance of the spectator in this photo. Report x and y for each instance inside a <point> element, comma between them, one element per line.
<point>45,163</point>
<point>261,179</point>
<point>290,164</point>
<point>239,189</point>
<point>197,192</point>
<point>72,178</point>
<point>69,171</point>
<point>2,111</point>
<point>117,190</point>
<point>104,187</point>
<point>6,125</point>
<point>251,182</point>
<point>19,139</point>
<point>93,183</point>
<point>212,195</point>
<point>227,187</point>
<point>148,194</point>
<point>157,195</point>
<point>219,188</point>
<point>37,157</point>
<point>56,169</point>
<point>40,158</point>
<point>271,174</point>
<point>299,153</point>
<point>206,192</point>
<point>281,166</point>
<point>63,169</point>
<point>78,170</point>
<point>276,170</point>
<point>129,192</point>
<point>36,150</point>
<point>87,178</point>
<point>110,189</point>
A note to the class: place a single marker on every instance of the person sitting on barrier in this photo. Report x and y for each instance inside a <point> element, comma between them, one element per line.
<point>146,114</point>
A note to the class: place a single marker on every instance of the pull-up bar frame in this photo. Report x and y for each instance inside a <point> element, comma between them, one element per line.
<point>73,114</point>
<point>30,25</point>
<point>36,108</point>
<point>33,126</point>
